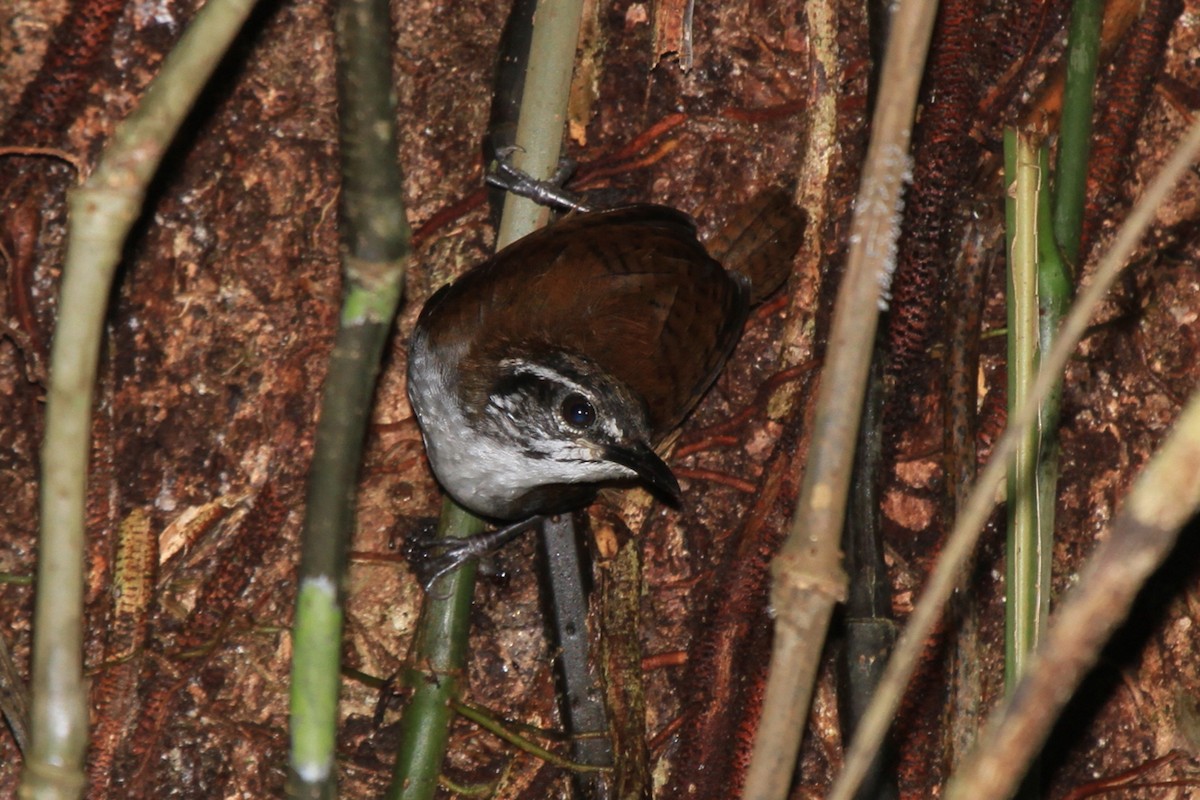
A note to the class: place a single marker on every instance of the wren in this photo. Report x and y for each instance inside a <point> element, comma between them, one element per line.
<point>559,364</point>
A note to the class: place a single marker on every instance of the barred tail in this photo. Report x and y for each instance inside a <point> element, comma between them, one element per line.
<point>760,240</point>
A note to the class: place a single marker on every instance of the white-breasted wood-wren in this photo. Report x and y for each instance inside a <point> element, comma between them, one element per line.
<point>561,362</point>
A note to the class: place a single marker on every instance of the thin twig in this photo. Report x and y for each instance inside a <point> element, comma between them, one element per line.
<point>808,576</point>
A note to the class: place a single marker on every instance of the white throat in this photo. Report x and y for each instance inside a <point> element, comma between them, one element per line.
<point>480,472</point>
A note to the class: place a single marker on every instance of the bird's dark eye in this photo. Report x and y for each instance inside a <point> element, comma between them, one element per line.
<point>577,411</point>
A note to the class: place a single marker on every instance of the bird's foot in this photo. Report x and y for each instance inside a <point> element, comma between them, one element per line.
<point>431,557</point>
<point>503,174</point>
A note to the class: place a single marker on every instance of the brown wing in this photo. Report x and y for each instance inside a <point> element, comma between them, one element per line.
<point>631,288</point>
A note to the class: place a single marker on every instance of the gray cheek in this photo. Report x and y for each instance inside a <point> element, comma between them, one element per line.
<point>502,423</point>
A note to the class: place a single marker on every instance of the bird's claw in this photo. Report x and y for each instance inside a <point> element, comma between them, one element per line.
<point>503,174</point>
<point>430,558</point>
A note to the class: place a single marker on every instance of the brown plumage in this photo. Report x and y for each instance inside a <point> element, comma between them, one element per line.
<point>632,289</point>
<point>558,364</point>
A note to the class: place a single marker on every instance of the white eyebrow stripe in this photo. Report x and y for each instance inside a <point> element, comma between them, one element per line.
<point>523,367</point>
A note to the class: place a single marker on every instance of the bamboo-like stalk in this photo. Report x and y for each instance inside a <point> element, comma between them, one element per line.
<point>378,243</point>
<point>439,650</point>
<point>102,212</point>
<point>1028,580</point>
<point>975,511</point>
<point>1070,174</point>
<point>808,579</point>
<point>436,669</point>
<point>543,111</point>
<point>1060,224</point>
<point>1164,498</point>
<point>1039,293</point>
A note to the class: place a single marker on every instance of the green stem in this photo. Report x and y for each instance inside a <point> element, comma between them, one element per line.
<point>981,500</point>
<point>1054,293</point>
<point>102,212</point>
<point>1026,555</point>
<point>1164,497</point>
<point>436,671</point>
<point>439,651</point>
<point>378,242</point>
<point>1070,175</point>
<point>493,726</point>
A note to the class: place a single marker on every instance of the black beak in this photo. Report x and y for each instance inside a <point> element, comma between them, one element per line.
<point>649,467</point>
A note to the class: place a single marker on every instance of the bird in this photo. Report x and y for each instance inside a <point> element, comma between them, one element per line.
<point>559,364</point>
